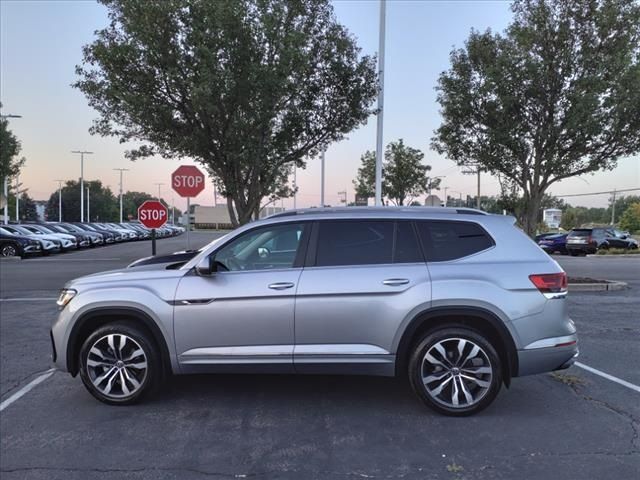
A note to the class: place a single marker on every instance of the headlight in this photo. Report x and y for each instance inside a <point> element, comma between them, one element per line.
<point>66,294</point>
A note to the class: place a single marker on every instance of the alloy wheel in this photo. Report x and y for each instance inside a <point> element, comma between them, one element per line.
<point>117,366</point>
<point>8,251</point>
<point>456,372</point>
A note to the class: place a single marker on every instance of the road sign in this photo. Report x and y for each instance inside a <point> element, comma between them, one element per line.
<point>152,214</point>
<point>187,181</point>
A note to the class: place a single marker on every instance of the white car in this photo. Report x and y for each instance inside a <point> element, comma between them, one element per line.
<point>69,242</point>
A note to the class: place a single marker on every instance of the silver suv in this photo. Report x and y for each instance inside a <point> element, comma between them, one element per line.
<point>457,300</point>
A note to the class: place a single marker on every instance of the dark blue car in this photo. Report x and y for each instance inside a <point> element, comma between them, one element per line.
<point>554,243</point>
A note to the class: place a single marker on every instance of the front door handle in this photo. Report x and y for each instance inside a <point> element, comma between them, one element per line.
<point>393,282</point>
<point>280,285</point>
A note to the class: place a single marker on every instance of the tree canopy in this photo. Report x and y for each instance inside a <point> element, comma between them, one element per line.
<point>102,203</point>
<point>553,97</point>
<point>247,88</point>
<point>9,150</point>
<point>630,220</point>
<point>404,175</point>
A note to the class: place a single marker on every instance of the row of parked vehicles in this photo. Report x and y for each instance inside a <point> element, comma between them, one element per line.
<point>583,241</point>
<point>44,238</point>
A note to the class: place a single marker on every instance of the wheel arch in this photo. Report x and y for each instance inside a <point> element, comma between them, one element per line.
<point>97,317</point>
<point>477,318</point>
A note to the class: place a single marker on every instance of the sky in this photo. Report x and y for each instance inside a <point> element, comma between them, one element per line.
<point>40,45</point>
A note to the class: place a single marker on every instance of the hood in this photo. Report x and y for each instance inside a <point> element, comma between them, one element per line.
<point>173,261</point>
<point>127,276</point>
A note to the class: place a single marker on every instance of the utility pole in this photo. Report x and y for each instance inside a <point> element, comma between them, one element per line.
<point>121,170</point>
<point>380,119</point>
<point>17,197</point>
<point>59,199</point>
<point>344,199</point>
<point>215,194</point>
<point>82,154</point>
<point>478,202</point>
<point>88,203</point>
<point>6,179</point>
<point>295,187</point>
<point>446,199</point>
<point>322,179</point>
<point>613,208</point>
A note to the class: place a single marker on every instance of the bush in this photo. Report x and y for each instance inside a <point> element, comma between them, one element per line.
<point>630,219</point>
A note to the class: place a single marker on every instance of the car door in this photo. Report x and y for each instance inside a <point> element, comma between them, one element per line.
<point>615,241</point>
<point>242,315</point>
<point>362,279</point>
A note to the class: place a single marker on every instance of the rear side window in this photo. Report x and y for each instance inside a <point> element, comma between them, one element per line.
<point>354,243</point>
<point>580,233</point>
<point>444,241</point>
<point>407,248</point>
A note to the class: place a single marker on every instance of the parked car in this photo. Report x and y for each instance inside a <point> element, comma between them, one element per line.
<point>69,242</point>
<point>458,300</point>
<point>95,237</point>
<point>18,246</point>
<point>83,239</point>
<point>582,241</point>
<point>554,243</point>
<point>48,246</point>
<point>109,236</point>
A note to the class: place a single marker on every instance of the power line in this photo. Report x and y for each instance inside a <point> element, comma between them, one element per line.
<point>598,193</point>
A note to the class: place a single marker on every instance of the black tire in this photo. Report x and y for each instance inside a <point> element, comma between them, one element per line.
<point>148,382</point>
<point>8,250</point>
<point>451,336</point>
<point>573,253</point>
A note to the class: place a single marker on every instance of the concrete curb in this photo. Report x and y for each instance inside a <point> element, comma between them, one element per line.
<point>621,255</point>
<point>9,259</point>
<point>611,285</point>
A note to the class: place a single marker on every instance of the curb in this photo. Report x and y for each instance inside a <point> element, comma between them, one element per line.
<point>9,259</point>
<point>611,285</point>
<point>620,255</point>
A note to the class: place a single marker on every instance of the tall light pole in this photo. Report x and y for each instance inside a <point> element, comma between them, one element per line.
<point>613,208</point>
<point>121,170</point>
<point>322,179</point>
<point>344,195</point>
<point>82,154</point>
<point>383,6</point>
<point>59,199</point>
<point>159,185</point>
<point>459,198</point>
<point>17,197</point>
<point>88,203</point>
<point>295,187</point>
<point>6,180</point>
<point>446,199</point>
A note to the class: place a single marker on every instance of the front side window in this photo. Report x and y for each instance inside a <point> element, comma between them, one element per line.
<point>448,240</point>
<point>268,248</point>
<point>354,243</point>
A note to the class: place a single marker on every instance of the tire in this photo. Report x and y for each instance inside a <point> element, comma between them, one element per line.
<point>439,394</point>
<point>8,250</point>
<point>573,253</point>
<point>136,363</point>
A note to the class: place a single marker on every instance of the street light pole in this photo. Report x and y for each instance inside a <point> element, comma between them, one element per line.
<point>18,197</point>
<point>82,154</point>
<point>446,199</point>
<point>322,179</point>
<point>159,185</point>
<point>121,170</point>
<point>383,6</point>
<point>88,203</point>
<point>59,199</point>
<point>295,187</point>
<point>6,179</point>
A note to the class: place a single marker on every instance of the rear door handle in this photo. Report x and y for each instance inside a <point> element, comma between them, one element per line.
<point>392,282</point>
<point>280,285</point>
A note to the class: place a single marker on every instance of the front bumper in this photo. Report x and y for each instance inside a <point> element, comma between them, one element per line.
<point>548,355</point>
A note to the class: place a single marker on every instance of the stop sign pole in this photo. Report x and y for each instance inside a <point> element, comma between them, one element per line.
<point>188,181</point>
<point>152,214</point>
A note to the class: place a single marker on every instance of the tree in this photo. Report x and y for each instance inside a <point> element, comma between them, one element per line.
<point>404,176</point>
<point>27,208</point>
<point>103,204</point>
<point>630,220</point>
<point>247,88</point>
<point>9,150</point>
<point>130,203</point>
<point>556,96</point>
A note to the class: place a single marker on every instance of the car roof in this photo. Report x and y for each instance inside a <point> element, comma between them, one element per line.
<point>380,212</point>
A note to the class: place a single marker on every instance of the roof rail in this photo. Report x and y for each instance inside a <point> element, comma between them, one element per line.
<point>365,210</point>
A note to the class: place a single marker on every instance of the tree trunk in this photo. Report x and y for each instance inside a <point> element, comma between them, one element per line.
<point>531,211</point>
<point>232,212</point>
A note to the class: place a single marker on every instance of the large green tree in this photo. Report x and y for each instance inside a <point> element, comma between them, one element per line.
<point>404,175</point>
<point>10,147</point>
<point>630,220</point>
<point>247,88</point>
<point>553,97</point>
<point>103,205</point>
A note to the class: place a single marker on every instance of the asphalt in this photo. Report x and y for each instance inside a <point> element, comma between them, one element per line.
<point>572,424</point>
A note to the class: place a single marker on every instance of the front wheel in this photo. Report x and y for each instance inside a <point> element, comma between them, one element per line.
<point>455,371</point>
<point>8,250</point>
<point>119,364</point>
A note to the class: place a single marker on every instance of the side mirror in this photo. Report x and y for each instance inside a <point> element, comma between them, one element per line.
<point>206,267</point>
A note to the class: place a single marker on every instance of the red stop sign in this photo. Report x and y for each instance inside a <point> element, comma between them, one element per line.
<point>187,181</point>
<point>152,214</point>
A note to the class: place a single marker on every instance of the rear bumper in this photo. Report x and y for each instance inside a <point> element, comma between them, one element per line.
<point>582,248</point>
<point>548,355</point>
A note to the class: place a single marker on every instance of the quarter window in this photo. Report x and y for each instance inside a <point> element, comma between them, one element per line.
<point>451,240</point>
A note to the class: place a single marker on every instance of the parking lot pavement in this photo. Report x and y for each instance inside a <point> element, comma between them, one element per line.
<point>573,424</point>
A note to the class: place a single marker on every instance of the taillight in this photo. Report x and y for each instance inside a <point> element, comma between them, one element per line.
<point>550,282</point>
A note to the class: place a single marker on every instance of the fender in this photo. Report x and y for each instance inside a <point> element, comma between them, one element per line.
<point>115,312</point>
<point>461,313</point>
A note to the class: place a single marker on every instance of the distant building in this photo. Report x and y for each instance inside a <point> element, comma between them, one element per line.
<point>217,217</point>
<point>552,217</point>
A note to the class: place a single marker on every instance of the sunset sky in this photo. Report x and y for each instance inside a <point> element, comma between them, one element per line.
<point>41,44</point>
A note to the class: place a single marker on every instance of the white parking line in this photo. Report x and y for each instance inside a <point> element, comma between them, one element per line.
<point>617,380</point>
<point>31,299</point>
<point>26,389</point>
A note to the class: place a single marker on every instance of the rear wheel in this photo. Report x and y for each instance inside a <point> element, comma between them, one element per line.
<point>455,371</point>
<point>119,364</point>
<point>8,250</point>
